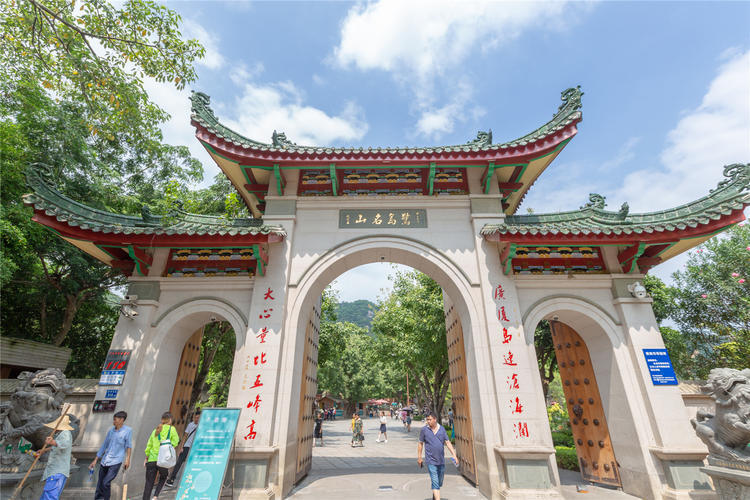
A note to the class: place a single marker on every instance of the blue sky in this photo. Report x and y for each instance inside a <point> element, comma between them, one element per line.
<point>666,104</point>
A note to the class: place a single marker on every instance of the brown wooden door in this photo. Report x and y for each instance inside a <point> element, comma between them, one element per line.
<point>309,387</point>
<point>183,386</point>
<point>460,394</point>
<point>596,457</point>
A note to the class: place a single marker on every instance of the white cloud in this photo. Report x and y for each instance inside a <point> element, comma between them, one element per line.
<point>212,58</point>
<point>419,41</point>
<point>178,131</point>
<point>623,155</point>
<point>263,108</point>
<point>714,134</point>
<point>241,73</point>
<point>434,122</point>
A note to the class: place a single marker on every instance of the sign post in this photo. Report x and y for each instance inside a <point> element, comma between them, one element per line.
<point>660,367</point>
<point>206,465</point>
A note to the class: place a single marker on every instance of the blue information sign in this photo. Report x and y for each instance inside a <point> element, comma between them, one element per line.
<point>660,367</point>
<point>207,462</point>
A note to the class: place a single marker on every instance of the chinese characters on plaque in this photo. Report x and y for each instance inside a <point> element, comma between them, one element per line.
<point>510,359</point>
<point>386,218</point>
<point>254,365</point>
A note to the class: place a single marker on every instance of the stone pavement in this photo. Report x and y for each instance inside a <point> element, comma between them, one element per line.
<point>378,470</point>
<point>389,471</point>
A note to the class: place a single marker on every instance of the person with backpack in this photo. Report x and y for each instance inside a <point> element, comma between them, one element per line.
<point>160,455</point>
<point>187,442</point>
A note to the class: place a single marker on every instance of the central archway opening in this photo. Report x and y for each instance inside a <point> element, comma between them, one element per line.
<point>364,369</point>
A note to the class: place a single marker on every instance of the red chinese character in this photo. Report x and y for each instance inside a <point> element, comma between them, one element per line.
<point>506,336</point>
<point>268,295</point>
<point>501,314</point>
<point>521,429</point>
<point>265,314</point>
<point>252,433</point>
<point>518,406</point>
<point>513,382</point>
<point>255,404</point>
<point>262,358</point>
<point>508,359</point>
<point>257,383</point>
<point>499,292</point>
<point>262,335</point>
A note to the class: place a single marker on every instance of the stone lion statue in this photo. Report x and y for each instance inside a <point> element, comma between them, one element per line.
<point>37,401</point>
<point>727,433</point>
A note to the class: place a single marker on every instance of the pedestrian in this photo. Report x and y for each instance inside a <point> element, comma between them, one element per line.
<point>433,438</point>
<point>114,452</point>
<point>318,432</point>
<point>408,421</point>
<point>187,442</point>
<point>358,432</point>
<point>163,434</point>
<point>59,447</point>
<point>383,432</point>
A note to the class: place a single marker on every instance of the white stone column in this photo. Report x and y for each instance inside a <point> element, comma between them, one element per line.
<point>517,429</point>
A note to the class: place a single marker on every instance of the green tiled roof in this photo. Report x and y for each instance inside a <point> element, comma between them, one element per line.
<point>731,194</point>
<point>567,113</point>
<point>46,198</point>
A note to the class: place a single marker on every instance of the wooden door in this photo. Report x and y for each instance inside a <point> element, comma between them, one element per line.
<point>596,456</point>
<point>460,393</point>
<point>308,389</point>
<point>183,386</point>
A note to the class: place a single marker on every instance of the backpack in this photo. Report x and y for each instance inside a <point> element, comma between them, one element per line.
<point>167,454</point>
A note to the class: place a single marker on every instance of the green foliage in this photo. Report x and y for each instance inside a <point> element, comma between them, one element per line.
<point>355,373</point>
<point>545,354</point>
<point>211,387</point>
<point>87,115</point>
<point>98,53</point>
<point>566,457</point>
<point>558,417</point>
<point>709,305</point>
<point>563,438</point>
<point>359,312</point>
<point>410,329</point>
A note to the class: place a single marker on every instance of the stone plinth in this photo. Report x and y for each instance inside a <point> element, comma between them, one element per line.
<point>731,479</point>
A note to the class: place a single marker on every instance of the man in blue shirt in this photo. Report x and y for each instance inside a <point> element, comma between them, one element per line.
<point>114,452</point>
<point>433,438</point>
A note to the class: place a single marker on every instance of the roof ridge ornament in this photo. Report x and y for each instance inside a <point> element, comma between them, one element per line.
<point>279,140</point>
<point>201,104</point>
<point>483,139</point>
<point>735,173</point>
<point>595,201</point>
<point>571,99</point>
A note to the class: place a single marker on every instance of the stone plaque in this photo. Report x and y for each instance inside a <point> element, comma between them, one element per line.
<point>382,219</point>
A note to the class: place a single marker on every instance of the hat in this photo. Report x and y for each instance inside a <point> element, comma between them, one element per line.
<point>64,424</point>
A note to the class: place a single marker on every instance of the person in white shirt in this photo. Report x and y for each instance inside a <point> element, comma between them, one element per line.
<point>383,433</point>
<point>187,442</point>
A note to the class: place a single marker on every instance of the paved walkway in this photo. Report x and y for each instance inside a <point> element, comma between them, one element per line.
<point>378,470</point>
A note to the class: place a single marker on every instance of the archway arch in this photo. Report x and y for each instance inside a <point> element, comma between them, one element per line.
<point>609,355</point>
<point>306,289</point>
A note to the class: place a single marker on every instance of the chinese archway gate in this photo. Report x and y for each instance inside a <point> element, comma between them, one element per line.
<point>450,212</point>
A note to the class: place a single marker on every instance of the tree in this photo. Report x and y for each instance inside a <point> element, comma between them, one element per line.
<point>97,53</point>
<point>353,374</point>
<point>210,385</point>
<point>709,306</point>
<point>545,355</point>
<point>712,303</point>
<point>72,96</point>
<point>410,329</point>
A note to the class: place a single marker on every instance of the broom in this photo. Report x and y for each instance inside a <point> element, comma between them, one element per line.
<point>41,452</point>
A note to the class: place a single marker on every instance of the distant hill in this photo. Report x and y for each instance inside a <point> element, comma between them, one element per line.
<point>359,312</point>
